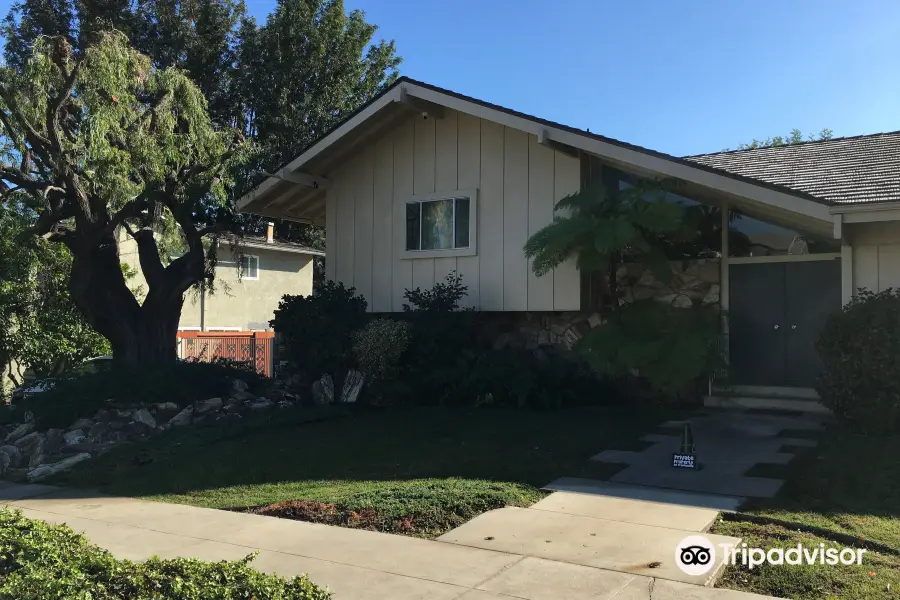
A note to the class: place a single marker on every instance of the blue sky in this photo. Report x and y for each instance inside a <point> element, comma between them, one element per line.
<point>679,76</point>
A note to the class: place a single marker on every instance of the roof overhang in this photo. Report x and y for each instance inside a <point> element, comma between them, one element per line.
<point>281,196</point>
<point>869,212</point>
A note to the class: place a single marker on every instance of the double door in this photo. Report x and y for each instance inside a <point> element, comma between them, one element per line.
<point>777,311</point>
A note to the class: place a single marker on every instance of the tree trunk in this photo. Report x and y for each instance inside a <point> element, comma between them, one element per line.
<point>137,333</point>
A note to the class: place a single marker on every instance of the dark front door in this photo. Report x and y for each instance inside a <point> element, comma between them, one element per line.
<point>776,313</point>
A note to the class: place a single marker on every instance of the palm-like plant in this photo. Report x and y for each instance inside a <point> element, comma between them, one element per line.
<point>601,230</point>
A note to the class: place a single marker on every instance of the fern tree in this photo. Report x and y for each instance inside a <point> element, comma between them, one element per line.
<point>601,230</point>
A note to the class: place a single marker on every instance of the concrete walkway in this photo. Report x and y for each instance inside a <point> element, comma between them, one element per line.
<point>572,545</point>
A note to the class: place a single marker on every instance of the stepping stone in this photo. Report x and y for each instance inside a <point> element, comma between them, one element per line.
<point>588,541</point>
<point>649,494</point>
<point>686,518</point>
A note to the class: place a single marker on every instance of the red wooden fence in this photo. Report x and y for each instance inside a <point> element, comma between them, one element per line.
<point>252,347</point>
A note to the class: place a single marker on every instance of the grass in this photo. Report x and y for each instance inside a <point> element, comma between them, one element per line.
<point>847,486</point>
<point>421,471</point>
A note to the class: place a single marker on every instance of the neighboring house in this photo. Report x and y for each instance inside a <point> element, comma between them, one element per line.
<point>248,284</point>
<point>422,181</point>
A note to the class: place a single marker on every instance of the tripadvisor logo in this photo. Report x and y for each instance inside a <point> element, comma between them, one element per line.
<point>696,555</point>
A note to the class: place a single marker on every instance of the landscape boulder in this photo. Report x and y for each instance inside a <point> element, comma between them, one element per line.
<point>183,418</point>
<point>19,432</point>
<point>205,406</point>
<point>143,416</point>
<point>65,464</point>
<point>73,437</point>
<point>323,390</point>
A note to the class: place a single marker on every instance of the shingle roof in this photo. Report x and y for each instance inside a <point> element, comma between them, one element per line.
<point>261,241</point>
<point>850,170</point>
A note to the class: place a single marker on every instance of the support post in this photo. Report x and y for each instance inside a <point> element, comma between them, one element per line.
<point>724,299</point>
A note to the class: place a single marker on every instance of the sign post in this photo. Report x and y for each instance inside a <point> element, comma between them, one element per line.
<point>684,458</point>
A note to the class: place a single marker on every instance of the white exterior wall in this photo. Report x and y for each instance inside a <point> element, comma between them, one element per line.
<point>875,255</point>
<point>518,182</point>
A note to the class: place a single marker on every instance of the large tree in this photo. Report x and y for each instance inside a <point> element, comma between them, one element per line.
<point>100,140</point>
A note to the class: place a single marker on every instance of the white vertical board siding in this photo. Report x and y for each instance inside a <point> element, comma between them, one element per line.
<point>566,278</point>
<point>888,266</point>
<point>445,176</point>
<point>382,235</point>
<point>518,183</point>
<point>540,213</point>
<point>403,189</point>
<point>865,268</point>
<point>345,226</point>
<point>876,255</point>
<point>331,245</point>
<point>468,164</point>
<point>423,183</point>
<point>363,223</point>
<point>515,219</point>
<point>490,218</point>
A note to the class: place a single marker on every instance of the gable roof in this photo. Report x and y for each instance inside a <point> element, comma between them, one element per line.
<point>277,196</point>
<point>849,170</point>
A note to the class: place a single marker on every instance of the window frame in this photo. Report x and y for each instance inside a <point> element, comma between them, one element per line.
<point>470,250</point>
<point>242,276</point>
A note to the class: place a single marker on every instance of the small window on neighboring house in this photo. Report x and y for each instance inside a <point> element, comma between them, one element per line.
<point>249,267</point>
<point>441,224</point>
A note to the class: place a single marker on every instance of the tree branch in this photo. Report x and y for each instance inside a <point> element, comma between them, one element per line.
<point>56,105</point>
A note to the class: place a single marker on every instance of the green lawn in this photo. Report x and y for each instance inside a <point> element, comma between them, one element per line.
<point>848,486</point>
<point>419,471</point>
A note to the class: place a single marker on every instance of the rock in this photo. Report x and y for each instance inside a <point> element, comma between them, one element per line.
<point>99,431</point>
<point>595,321</point>
<point>116,425</point>
<point>260,404</point>
<point>682,301</point>
<point>502,341</point>
<point>353,384</point>
<point>135,431</point>
<point>4,463</point>
<point>37,459</point>
<point>57,467</point>
<point>183,418</point>
<point>19,432</point>
<point>143,416</point>
<point>241,397</point>
<point>72,437</point>
<point>208,405</point>
<point>571,337</point>
<point>166,406</point>
<point>31,444</point>
<point>103,416</point>
<point>81,424</point>
<point>712,296</point>
<point>53,441</point>
<point>13,453</point>
<point>234,407</point>
<point>285,404</point>
<point>123,414</point>
<point>323,390</point>
<point>239,385</point>
<point>80,447</point>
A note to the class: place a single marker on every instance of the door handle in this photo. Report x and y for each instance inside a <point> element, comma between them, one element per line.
<point>793,327</point>
<point>776,327</point>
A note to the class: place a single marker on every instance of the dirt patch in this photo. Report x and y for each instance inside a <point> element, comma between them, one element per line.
<point>428,523</point>
<point>335,514</point>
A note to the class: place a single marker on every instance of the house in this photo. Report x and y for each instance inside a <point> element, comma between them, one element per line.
<point>250,281</point>
<point>422,181</point>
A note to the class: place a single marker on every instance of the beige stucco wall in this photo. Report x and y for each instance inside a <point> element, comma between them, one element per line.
<point>875,255</point>
<point>518,182</point>
<point>239,302</point>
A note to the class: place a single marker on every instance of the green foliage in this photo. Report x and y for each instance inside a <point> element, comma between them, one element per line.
<point>669,347</point>
<point>794,137</point>
<point>41,561</point>
<point>860,352</point>
<point>40,328</point>
<point>520,378</point>
<point>379,345</point>
<point>601,229</point>
<point>444,297</point>
<point>79,394</point>
<point>317,330</point>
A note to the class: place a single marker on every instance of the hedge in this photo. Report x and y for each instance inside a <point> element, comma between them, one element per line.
<point>40,561</point>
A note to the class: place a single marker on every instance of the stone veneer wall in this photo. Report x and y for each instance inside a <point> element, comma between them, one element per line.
<point>694,282</point>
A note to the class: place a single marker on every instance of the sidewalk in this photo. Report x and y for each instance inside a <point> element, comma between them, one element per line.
<point>354,564</point>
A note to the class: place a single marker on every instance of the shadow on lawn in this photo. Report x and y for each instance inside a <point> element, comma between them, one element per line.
<point>310,454</point>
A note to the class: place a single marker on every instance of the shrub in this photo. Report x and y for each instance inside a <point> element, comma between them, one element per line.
<point>46,562</point>
<point>316,330</point>
<point>444,297</point>
<point>379,345</point>
<point>523,378</point>
<point>670,348</point>
<point>82,394</point>
<point>859,350</point>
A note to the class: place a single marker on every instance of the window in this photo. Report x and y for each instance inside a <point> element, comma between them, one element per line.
<point>441,224</point>
<point>249,267</point>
